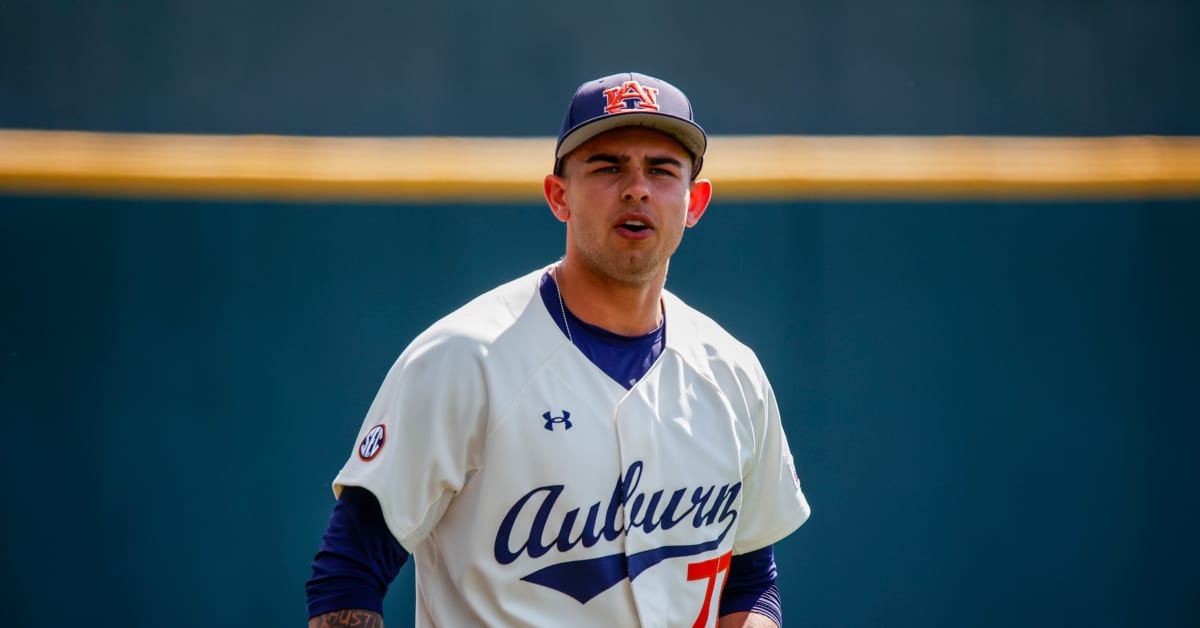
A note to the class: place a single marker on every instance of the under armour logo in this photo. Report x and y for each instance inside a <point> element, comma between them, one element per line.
<point>565,419</point>
<point>631,96</point>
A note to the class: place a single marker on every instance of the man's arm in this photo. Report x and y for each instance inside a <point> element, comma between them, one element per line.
<point>745,619</point>
<point>359,558</point>
<point>749,598</point>
<point>354,618</point>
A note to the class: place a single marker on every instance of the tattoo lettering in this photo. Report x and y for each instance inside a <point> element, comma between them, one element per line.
<point>347,619</point>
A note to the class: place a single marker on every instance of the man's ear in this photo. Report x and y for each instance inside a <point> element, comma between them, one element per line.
<point>555,188</point>
<point>698,199</point>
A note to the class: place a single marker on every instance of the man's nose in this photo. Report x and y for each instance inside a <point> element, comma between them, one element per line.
<point>635,187</point>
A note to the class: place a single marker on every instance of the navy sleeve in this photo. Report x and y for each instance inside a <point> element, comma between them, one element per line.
<point>359,557</point>
<point>751,585</point>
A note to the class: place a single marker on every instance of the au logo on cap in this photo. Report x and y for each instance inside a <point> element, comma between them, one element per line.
<point>631,96</point>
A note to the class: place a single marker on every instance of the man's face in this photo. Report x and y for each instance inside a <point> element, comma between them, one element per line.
<point>628,196</point>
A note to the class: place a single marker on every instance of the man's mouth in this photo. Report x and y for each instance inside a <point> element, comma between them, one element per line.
<point>635,225</point>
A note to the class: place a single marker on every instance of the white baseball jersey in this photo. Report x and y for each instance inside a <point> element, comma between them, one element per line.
<point>533,490</point>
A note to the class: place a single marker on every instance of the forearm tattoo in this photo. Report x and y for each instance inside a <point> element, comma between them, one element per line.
<point>348,618</point>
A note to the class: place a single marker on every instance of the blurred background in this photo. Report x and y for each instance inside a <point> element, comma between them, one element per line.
<point>993,403</point>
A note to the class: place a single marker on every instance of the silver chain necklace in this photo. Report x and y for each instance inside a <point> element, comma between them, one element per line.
<point>561,307</point>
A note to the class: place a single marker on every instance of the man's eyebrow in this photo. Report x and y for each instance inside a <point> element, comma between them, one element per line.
<point>614,159</point>
<point>603,157</point>
<point>658,161</point>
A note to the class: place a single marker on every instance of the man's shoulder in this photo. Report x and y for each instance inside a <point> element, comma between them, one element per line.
<point>479,322</point>
<point>698,335</point>
<point>714,354</point>
<point>494,310</point>
<point>456,354</point>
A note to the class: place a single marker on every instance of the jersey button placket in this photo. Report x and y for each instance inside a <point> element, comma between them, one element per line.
<point>629,425</point>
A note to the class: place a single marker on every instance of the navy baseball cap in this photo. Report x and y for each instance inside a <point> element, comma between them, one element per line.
<point>629,99</point>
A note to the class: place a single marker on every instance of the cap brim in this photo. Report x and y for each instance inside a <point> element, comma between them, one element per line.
<point>686,133</point>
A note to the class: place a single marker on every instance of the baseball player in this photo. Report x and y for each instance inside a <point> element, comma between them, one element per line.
<point>577,446</point>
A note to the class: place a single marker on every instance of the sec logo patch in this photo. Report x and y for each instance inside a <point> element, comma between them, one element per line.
<point>372,443</point>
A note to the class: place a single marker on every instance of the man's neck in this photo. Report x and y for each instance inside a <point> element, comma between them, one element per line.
<point>622,308</point>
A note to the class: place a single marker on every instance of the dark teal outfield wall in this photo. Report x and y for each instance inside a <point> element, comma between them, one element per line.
<point>480,67</point>
<point>994,406</point>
